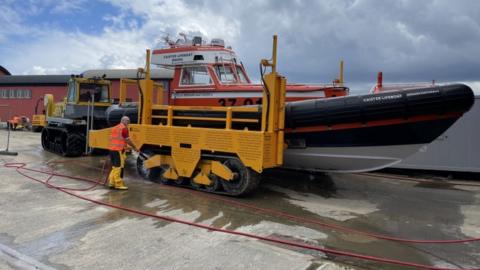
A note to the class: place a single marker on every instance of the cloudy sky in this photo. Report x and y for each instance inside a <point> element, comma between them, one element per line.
<point>409,40</point>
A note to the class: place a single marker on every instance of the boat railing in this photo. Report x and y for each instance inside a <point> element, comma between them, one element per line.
<point>332,84</point>
<point>400,86</point>
<point>381,87</point>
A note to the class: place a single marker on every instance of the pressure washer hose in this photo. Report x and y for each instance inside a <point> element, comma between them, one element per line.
<point>308,220</point>
<point>23,166</point>
<point>314,221</point>
<point>329,225</point>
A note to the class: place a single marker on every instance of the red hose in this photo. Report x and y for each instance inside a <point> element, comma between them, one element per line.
<point>333,226</point>
<point>22,166</point>
<point>302,219</point>
<point>289,216</point>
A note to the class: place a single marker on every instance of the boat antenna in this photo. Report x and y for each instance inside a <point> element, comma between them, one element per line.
<point>167,40</point>
<point>185,39</point>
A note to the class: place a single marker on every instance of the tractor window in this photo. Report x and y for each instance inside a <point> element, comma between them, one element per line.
<point>72,95</point>
<point>195,76</point>
<point>100,92</point>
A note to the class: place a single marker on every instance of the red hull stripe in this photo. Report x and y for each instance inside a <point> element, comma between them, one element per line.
<point>393,121</point>
<point>245,94</point>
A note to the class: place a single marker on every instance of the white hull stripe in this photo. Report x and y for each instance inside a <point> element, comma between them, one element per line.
<point>312,94</point>
<point>347,159</point>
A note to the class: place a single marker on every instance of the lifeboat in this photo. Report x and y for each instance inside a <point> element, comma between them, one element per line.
<point>354,133</point>
<point>326,130</point>
<point>370,132</point>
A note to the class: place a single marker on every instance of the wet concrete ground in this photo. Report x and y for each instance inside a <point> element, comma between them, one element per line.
<point>44,228</point>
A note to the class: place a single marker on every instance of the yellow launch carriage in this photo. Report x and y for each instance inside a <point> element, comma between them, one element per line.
<point>212,148</point>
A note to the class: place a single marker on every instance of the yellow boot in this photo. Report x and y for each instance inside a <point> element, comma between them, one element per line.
<point>111,177</point>
<point>118,175</point>
<point>119,184</point>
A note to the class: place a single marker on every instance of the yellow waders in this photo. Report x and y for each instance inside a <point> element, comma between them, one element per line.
<point>115,177</point>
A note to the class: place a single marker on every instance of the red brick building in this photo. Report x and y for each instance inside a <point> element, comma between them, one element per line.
<point>20,93</point>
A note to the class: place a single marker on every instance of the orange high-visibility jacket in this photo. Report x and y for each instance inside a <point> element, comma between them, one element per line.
<point>117,142</point>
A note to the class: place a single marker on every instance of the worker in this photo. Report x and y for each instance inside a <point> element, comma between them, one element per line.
<point>118,142</point>
<point>14,122</point>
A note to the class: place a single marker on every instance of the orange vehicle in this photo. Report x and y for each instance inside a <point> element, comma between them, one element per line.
<point>19,122</point>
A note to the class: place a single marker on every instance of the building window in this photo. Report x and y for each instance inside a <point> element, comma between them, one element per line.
<point>3,93</point>
<point>15,93</point>
<point>26,93</point>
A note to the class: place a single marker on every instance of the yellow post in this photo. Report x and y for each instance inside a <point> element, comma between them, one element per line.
<point>124,83</point>
<point>169,116</point>
<point>272,85</point>
<point>147,92</point>
<point>147,68</point>
<point>276,104</point>
<point>281,119</point>
<point>274,54</point>
<point>228,124</point>
<point>264,112</point>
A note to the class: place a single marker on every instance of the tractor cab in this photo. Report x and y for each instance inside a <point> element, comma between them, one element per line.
<point>84,108</point>
<point>81,91</point>
<point>87,96</point>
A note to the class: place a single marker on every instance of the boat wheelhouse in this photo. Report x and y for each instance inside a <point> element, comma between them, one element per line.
<point>212,75</point>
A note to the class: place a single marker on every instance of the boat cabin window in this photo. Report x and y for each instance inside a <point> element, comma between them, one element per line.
<point>100,92</point>
<point>195,76</point>
<point>225,74</point>
<point>241,75</point>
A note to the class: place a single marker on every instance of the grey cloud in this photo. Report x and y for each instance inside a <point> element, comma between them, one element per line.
<point>409,40</point>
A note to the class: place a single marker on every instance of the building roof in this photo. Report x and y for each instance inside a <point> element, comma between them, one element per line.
<point>34,79</point>
<point>63,79</point>
<point>158,73</point>
<point>4,71</point>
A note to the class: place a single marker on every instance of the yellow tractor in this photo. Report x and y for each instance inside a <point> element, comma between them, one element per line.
<point>38,120</point>
<point>67,123</point>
